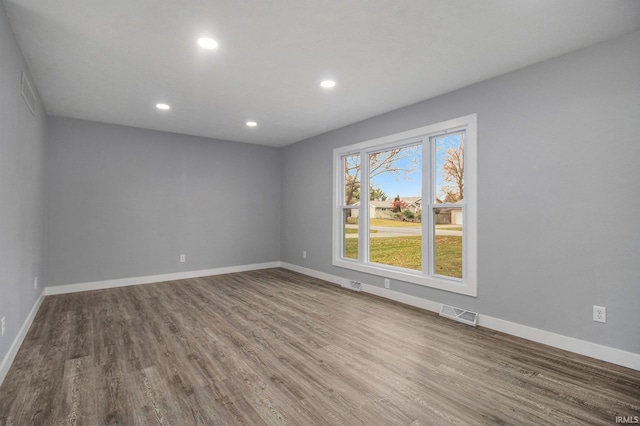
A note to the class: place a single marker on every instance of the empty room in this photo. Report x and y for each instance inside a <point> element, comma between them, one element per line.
<point>369,212</point>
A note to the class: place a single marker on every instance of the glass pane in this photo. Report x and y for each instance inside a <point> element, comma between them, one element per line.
<point>395,207</point>
<point>350,233</point>
<point>449,152</point>
<point>448,242</point>
<point>351,180</point>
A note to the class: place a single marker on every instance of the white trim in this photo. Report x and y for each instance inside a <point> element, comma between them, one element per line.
<point>453,125</point>
<point>123,282</point>
<point>468,285</point>
<point>97,285</point>
<point>571,344</point>
<point>594,350</point>
<point>386,271</point>
<point>312,273</point>
<point>17,342</point>
<point>407,299</point>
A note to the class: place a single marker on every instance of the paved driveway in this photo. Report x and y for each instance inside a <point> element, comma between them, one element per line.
<point>400,231</point>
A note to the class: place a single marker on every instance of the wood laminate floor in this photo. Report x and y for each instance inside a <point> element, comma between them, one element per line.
<point>276,347</point>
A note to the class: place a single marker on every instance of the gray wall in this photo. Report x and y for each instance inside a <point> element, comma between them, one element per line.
<point>22,146</point>
<point>125,202</point>
<point>559,193</point>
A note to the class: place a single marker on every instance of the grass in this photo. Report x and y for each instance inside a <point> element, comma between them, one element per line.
<point>386,222</point>
<point>406,252</point>
<point>448,256</point>
<point>394,223</point>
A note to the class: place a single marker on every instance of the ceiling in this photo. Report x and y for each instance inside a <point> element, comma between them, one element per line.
<point>113,61</point>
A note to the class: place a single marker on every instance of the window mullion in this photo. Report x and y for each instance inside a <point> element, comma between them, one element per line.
<point>427,200</point>
<point>464,241</point>
<point>363,229</point>
<point>433,143</point>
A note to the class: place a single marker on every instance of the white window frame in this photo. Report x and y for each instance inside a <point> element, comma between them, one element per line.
<point>468,285</point>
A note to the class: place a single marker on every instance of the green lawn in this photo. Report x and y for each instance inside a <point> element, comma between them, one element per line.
<point>449,256</point>
<point>394,223</point>
<point>405,252</point>
<point>386,222</point>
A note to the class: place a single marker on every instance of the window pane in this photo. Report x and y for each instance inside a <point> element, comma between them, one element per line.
<point>350,233</point>
<point>448,242</point>
<point>351,180</point>
<point>449,152</point>
<point>395,207</point>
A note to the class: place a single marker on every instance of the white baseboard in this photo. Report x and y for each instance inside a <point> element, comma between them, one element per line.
<point>97,285</point>
<point>582,347</point>
<point>407,299</point>
<point>17,342</point>
<point>312,273</point>
<point>594,350</point>
<point>124,282</point>
<point>571,344</point>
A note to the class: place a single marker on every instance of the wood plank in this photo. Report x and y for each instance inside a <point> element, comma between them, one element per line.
<point>276,347</point>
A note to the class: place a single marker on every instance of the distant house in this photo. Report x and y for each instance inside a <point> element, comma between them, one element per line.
<point>380,209</point>
<point>377,209</point>
<point>448,216</point>
<point>414,204</point>
<point>384,209</point>
<point>456,217</point>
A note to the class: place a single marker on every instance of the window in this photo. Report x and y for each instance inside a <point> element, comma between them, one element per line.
<point>418,222</point>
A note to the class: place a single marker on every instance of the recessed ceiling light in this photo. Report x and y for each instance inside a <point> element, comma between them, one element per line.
<point>163,106</point>
<point>207,43</point>
<point>251,124</point>
<point>327,84</point>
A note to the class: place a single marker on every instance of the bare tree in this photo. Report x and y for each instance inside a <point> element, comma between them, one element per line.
<point>352,179</point>
<point>453,171</point>
<point>391,161</point>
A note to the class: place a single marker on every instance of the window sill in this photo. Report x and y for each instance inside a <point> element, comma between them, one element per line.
<point>455,286</point>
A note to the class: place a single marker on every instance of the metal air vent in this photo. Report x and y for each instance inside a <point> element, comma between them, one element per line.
<point>352,285</point>
<point>459,314</point>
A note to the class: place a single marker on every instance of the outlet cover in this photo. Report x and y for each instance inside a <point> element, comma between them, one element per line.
<point>387,283</point>
<point>183,258</point>
<point>599,314</point>
<point>35,282</point>
<point>2,328</point>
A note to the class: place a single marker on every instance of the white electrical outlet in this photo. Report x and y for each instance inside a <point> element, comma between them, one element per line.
<point>35,282</point>
<point>2,327</point>
<point>304,254</point>
<point>599,313</point>
<point>183,258</point>
<point>387,283</point>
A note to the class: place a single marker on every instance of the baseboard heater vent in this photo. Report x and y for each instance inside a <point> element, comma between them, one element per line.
<point>458,314</point>
<point>352,285</point>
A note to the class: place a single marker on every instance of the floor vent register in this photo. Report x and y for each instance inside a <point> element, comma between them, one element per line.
<point>459,314</point>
